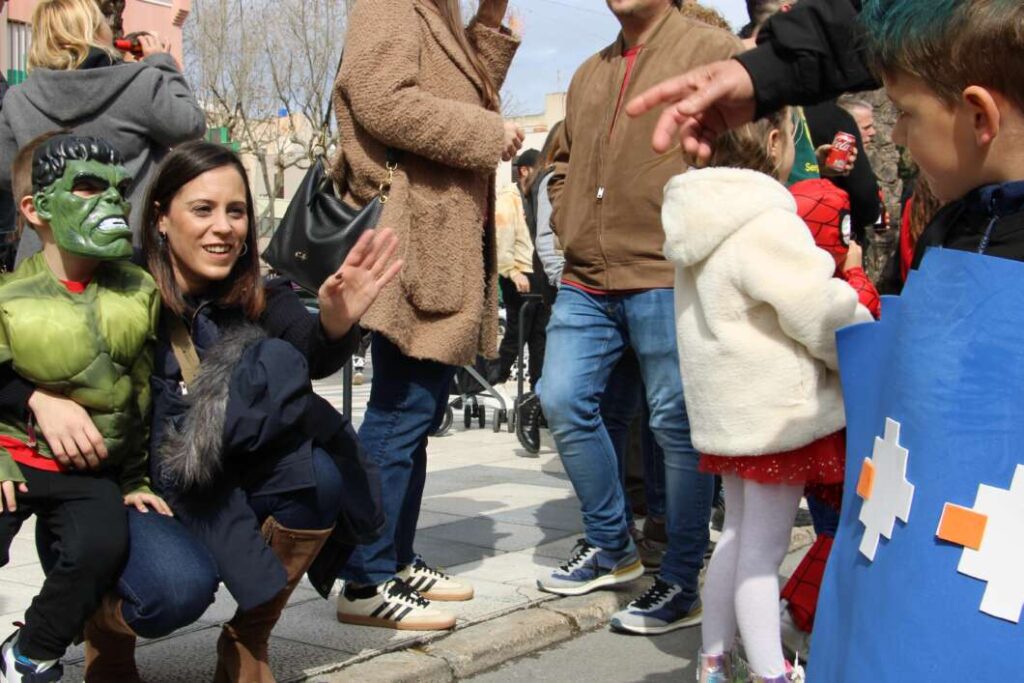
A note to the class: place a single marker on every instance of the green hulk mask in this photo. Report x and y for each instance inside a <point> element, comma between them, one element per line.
<point>79,187</point>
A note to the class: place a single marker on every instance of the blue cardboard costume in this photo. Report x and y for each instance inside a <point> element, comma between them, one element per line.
<point>926,579</point>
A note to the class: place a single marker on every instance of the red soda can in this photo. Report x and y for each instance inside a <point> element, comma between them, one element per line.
<point>842,147</point>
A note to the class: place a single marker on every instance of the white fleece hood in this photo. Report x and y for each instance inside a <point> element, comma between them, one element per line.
<point>703,207</point>
<point>757,310</point>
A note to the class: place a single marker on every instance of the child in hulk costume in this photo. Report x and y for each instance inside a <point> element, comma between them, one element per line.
<point>77,322</point>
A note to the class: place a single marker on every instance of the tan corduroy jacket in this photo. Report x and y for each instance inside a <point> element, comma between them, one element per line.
<point>608,182</point>
<point>406,84</point>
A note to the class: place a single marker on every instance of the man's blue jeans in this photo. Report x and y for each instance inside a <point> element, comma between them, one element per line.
<point>622,403</point>
<point>586,337</point>
<point>407,400</point>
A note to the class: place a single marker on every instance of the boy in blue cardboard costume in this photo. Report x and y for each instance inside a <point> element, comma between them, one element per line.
<point>926,579</point>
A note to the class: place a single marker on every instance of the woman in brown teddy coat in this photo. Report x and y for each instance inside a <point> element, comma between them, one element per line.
<point>418,109</point>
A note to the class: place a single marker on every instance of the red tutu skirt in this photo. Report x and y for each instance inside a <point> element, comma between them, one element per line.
<point>820,462</point>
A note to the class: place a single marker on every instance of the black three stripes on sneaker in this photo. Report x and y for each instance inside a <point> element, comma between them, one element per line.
<point>392,612</point>
<point>421,584</point>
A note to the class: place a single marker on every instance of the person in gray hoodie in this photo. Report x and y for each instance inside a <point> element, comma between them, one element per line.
<point>143,108</point>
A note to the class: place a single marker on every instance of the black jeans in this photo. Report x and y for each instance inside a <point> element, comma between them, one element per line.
<point>535,324</point>
<point>85,516</point>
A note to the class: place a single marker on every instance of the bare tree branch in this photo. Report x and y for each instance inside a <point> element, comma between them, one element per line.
<point>264,70</point>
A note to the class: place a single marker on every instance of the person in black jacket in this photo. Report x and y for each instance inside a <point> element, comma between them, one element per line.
<point>250,456</point>
<point>807,55</point>
<point>260,469</point>
<point>825,120</point>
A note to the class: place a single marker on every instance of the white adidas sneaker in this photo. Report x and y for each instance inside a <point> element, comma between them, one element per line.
<point>395,605</point>
<point>434,584</point>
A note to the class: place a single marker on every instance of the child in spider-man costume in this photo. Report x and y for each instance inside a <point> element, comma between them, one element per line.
<point>826,210</point>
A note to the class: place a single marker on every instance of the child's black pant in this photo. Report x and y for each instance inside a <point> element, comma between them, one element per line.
<point>85,514</point>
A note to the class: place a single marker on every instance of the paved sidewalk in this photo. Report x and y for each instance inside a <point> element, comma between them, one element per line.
<point>491,514</point>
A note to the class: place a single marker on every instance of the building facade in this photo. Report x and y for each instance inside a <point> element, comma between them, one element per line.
<point>165,17</point>
<point>536,127</point>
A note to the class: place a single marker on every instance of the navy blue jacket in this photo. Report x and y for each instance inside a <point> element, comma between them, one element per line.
<point>272,420</point>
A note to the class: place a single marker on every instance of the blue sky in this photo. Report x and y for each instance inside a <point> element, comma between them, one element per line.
<point>559,34</point>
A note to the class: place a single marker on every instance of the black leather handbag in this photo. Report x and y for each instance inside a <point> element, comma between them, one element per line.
<point>319,229</point>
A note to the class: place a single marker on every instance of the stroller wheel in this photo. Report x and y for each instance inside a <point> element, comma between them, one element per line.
<point>500,417</point>
<point>482,417</point>
<point>446,422</point>
<point>467,416</point>
<point>528,423</point>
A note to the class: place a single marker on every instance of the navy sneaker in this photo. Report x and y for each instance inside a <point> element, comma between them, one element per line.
<point>591,568</point>
<point>662,608</point>
<point>16,668</point>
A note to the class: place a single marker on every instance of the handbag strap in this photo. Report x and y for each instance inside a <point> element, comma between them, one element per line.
<point>184,349</point>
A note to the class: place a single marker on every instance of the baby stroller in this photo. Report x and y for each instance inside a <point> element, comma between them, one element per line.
<point>468,391</point>
<point>527,417</point>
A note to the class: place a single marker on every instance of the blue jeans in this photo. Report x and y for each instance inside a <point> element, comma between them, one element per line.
<point>622,402</point>
<point>170,579</point>
<point>310,508</point>
<point>407,400</point>
<point>586,337</point>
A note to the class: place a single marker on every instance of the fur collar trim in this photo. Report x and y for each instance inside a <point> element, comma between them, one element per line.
<point>192,453</point>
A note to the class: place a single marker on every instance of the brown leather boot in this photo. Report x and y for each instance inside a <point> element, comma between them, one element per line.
<point>242,647</point>
<point>110,645</point>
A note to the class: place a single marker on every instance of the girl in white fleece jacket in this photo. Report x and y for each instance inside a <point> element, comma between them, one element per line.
<point>757,310</point>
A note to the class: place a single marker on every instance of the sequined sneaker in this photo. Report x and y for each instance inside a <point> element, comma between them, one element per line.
<point>395,605</point>
<point>662,608</point>
<point>590,568</point>
<point>433,584</point>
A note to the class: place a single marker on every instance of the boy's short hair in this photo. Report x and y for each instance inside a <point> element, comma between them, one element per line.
<point>950,44</point>
<point>21,171</point>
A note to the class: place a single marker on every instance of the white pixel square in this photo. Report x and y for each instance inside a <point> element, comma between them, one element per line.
<point>891,495</point>
<point>1000,559</point>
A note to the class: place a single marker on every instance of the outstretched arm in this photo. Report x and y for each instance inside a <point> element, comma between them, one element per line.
<point>806,55</point>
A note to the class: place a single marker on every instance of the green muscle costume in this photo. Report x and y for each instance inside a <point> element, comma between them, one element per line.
<point>95,347</point>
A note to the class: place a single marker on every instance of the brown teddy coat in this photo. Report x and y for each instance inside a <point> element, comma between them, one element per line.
<point>405,83</point>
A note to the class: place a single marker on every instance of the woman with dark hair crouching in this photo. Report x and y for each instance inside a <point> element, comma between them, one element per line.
<point>258,467</point>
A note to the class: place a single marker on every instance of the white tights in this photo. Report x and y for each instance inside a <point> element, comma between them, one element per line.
<point>742,584</point>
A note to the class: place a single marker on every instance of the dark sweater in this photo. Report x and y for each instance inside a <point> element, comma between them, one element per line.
<point>825,120</point>
<point>962,225</point>
<point>812,53</point>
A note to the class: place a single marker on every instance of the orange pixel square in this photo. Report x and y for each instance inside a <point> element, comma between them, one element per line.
<point>962,526</point>
<point>866,483</point>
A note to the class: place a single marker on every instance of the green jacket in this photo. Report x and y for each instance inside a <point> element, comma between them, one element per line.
<point>95,348</point>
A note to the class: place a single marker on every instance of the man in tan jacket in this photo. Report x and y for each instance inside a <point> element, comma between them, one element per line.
<point>516,274</point>
<point>617,292</point>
